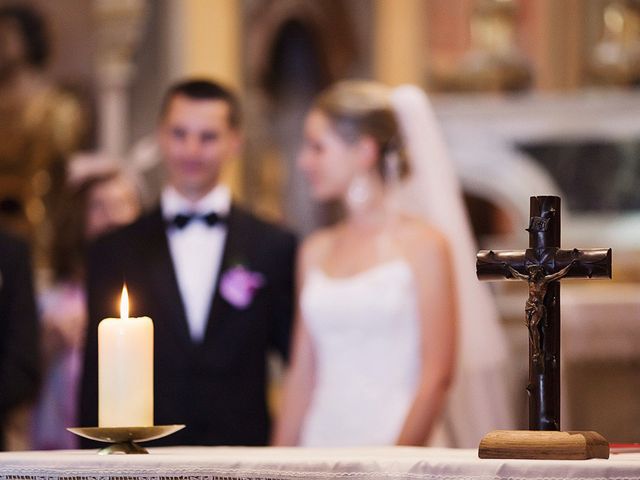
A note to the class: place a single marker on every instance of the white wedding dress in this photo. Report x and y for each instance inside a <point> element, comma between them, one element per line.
<point>366,339</point>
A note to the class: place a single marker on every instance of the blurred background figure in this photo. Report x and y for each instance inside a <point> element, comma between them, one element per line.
<point>375,341</point>
<point>40,125</point>
<point>19,341</point>
<point>197,266</point>
<point>97,198</point>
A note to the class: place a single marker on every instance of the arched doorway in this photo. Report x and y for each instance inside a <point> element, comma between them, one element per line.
<point>295,49</point>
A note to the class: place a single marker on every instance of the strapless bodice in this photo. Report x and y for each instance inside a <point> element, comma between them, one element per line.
<point>366,339</point>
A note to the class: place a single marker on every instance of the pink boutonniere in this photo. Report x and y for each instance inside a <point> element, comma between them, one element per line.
<point>239,285</point>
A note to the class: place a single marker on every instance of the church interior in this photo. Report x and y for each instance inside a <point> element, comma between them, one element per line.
<point>524,91</point>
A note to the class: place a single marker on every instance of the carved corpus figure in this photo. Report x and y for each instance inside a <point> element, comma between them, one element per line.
<point>534,308</point>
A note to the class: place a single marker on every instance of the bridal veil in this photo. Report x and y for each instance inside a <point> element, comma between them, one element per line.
<point>478,401</point>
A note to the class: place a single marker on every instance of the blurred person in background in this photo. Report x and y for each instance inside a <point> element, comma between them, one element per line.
<point>19,341</point>
<point>97,199</point>
<point>216,280</point>
<point>397,342</point>
<point>40,125</point>
<point>375,340</point>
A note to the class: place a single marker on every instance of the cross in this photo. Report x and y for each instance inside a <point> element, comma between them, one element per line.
<point>541,266</point>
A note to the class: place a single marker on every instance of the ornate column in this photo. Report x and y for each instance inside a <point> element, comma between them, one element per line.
<point>399,54</point>
<point>119,25</point>
<point>207,39</point>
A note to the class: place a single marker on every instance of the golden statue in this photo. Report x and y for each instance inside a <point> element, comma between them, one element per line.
<point>40,125</point>
<point>615,60</point>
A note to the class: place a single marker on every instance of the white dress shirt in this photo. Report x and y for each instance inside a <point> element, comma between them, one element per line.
<point>196,251</point>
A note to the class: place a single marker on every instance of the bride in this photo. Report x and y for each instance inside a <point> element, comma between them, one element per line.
<point>375,341</point>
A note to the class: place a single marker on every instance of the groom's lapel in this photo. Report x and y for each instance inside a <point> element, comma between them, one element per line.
<point>163,280</point>
<point>235,250</point>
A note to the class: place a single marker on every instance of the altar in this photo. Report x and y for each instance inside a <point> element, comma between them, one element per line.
<point>231,463</point>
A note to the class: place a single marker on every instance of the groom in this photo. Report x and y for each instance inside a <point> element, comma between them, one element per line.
<point>217,282</point>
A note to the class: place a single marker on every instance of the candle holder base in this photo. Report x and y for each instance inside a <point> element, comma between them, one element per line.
<point>123,439</point>
<point>122,448</point>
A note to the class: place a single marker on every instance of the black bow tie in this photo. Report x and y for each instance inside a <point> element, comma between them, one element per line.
<point>181,220</point>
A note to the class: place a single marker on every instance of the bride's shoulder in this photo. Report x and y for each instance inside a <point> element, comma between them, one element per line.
<point>419,237</point>
<point>315,246</point>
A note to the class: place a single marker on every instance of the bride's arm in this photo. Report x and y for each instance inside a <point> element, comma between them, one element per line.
<point>433,271</point>
<point>299,379</point>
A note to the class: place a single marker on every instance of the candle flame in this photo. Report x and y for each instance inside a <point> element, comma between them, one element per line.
<point>124,303</point>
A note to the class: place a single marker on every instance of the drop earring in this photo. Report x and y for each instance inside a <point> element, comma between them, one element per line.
<point>359,191</point>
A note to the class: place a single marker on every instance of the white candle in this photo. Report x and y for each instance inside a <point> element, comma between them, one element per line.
<point>125,369</point>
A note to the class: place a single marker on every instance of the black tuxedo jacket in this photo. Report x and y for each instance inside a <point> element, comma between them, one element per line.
<point>19,339</point>
<point>217,388</point>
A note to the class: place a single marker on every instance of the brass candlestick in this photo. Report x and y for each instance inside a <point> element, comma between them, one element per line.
<point>123,439</point>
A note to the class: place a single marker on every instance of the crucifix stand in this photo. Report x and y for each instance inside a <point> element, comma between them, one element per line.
<point>541,266</point>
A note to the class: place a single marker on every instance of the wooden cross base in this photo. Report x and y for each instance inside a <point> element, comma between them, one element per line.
<point>543,445</point>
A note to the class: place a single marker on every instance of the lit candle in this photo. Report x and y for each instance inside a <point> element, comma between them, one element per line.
<point>125,369</point>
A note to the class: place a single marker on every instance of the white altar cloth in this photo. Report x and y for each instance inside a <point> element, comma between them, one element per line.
<point>231,463</point>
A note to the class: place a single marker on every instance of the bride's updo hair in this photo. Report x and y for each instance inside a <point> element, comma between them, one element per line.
<point>361,107</point>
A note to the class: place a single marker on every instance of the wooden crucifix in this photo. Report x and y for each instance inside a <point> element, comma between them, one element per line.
<point>541,266</point>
